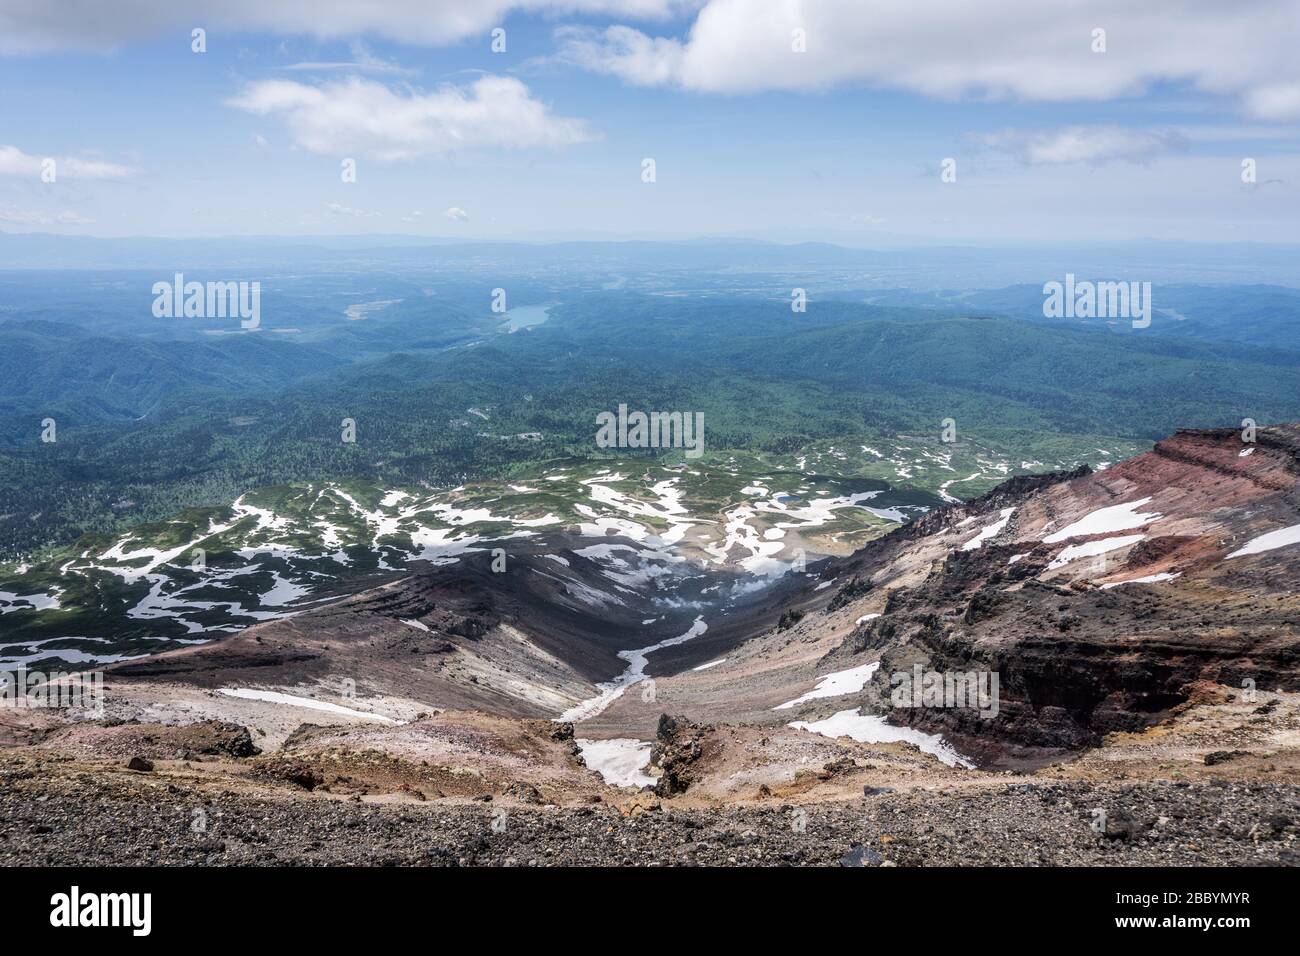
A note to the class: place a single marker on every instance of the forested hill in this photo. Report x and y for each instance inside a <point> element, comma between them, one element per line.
<point>247,411</point>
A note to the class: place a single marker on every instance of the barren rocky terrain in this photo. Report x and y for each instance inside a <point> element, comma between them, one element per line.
<point>1159,797</point>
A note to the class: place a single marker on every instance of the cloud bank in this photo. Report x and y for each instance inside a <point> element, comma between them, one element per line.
<point>951,49</point>
<point>14,162</point>
<point>358,117</point>
<point>38,26</point>
<point>1093,145</point>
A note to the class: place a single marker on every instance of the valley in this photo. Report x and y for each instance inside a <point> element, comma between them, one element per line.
<point>276,551</point>
<point>644,661</point>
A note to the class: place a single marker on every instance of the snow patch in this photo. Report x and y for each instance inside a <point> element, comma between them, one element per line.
<point>870,729</point>
<point>992,531</point>
<point>1090,549</point>
<point>836,684</point>
<point>634,674</point>
<point>1281,538</point>
<point>1149,579</point>
<point>275,697</point>
<point>1105,521</point>
<point>621,761</point>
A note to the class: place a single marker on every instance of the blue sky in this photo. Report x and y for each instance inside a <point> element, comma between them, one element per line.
<point>841,141</point>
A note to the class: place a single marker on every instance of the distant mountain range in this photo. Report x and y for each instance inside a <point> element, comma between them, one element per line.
<point>928,265</point>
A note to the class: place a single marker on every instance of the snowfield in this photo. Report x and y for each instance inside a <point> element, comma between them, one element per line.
<point>836,684</point>
<point>1106,521</point>
<point>992,531</point>
<point>1149,579</point>
<point>1282,538</point>
<point>870,729</point>
<point>275,697</point>
<point>1091,549</point>
<point>621,761</point>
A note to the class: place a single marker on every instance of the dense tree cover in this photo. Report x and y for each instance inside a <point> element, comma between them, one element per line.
<point>1256,315</point>
<point>454,398</point>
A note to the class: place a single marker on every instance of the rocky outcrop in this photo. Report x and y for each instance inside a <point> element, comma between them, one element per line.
<point>1076,660</point>
<point>1072,665</point>
<point>855,589</point>
<point>204,738</point>
<point>789,619</point>
<point>561,733</point>
<point>291,771</point>
<point>1008,493</point>
<point>679,744</point>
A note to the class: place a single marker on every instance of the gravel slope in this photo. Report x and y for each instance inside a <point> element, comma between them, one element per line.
<point>51,816</point>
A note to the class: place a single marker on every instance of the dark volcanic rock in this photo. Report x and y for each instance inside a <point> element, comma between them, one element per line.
<point>523,792</point>
<point>678,745</point>
<point>219,738</point>
<point>293,771</point>
<point>1223,756</point>
<point>861,856</point>
<point>113,820</point>
<point>1123,825</point>
<point>983,605</point>
<point>856,588</point>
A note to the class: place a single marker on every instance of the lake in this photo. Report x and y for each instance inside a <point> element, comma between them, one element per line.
<point>526,316</point>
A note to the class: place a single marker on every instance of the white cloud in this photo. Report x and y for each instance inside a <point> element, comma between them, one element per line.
<point>33,26</point>
<point>363,61</point>
<point>1080,144</point>
<point>626,53</point>
<point>456,214</point>
<point>1278,101</point>
<point>362,117</point>
<point>14,162</point>
<point>338,209</point>
<point>1024,49</point>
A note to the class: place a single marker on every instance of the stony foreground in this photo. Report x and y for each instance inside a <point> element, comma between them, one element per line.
<point>1216,784</point>
<point>84,818</point>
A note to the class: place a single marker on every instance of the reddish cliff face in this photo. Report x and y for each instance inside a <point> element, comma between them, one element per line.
<point>1100,600</point>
